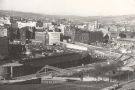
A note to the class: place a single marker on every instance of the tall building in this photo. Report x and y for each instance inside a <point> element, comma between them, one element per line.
<point>48,38</point>
<point>54,38</point>
<point>88,36</point>
<point>3,41</point>
<point>113,34</point>
<point>4,46</point>
<point>70,32</point>
<point>41,36</point>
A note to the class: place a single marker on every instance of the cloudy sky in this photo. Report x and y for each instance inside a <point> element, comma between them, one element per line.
<point>71,7</point>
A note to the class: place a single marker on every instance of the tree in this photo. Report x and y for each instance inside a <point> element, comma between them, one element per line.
<point>122,35</point>
<point>106,38</point>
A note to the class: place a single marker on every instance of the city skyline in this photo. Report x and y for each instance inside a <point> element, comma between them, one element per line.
<point>71,7</point>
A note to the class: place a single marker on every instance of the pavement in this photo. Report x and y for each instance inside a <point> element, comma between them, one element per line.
<point>63,86</point>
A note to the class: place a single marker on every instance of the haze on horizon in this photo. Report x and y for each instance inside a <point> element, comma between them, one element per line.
<point>71,7</point>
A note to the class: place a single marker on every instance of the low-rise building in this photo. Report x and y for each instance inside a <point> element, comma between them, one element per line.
<point>5,20</point>
<point>26,24</point>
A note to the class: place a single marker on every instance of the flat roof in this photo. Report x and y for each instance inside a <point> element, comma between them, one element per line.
<point>127,39</point>
<point>11,65</point>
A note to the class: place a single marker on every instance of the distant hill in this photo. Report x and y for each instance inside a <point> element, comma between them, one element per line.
<point>33,15</point>
<point>104,19</point>
<point>23,14</point>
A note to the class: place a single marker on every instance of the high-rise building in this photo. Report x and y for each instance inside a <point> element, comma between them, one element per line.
<point>40,36</point>
<point>54,38</point>
<point>48,38</point>
<point>4,46</point>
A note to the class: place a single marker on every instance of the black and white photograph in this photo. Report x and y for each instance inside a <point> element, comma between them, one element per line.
<point>67,44</point>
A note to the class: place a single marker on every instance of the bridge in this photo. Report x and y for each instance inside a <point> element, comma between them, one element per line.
<point>50,73</point>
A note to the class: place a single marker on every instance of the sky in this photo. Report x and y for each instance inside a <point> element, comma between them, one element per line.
<point>71,7</point>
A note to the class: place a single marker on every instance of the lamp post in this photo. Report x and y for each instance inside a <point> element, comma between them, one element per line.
<point>128,76</point>
<point>108,63</point>
<point>11,69</point>
<point>118,76</point>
